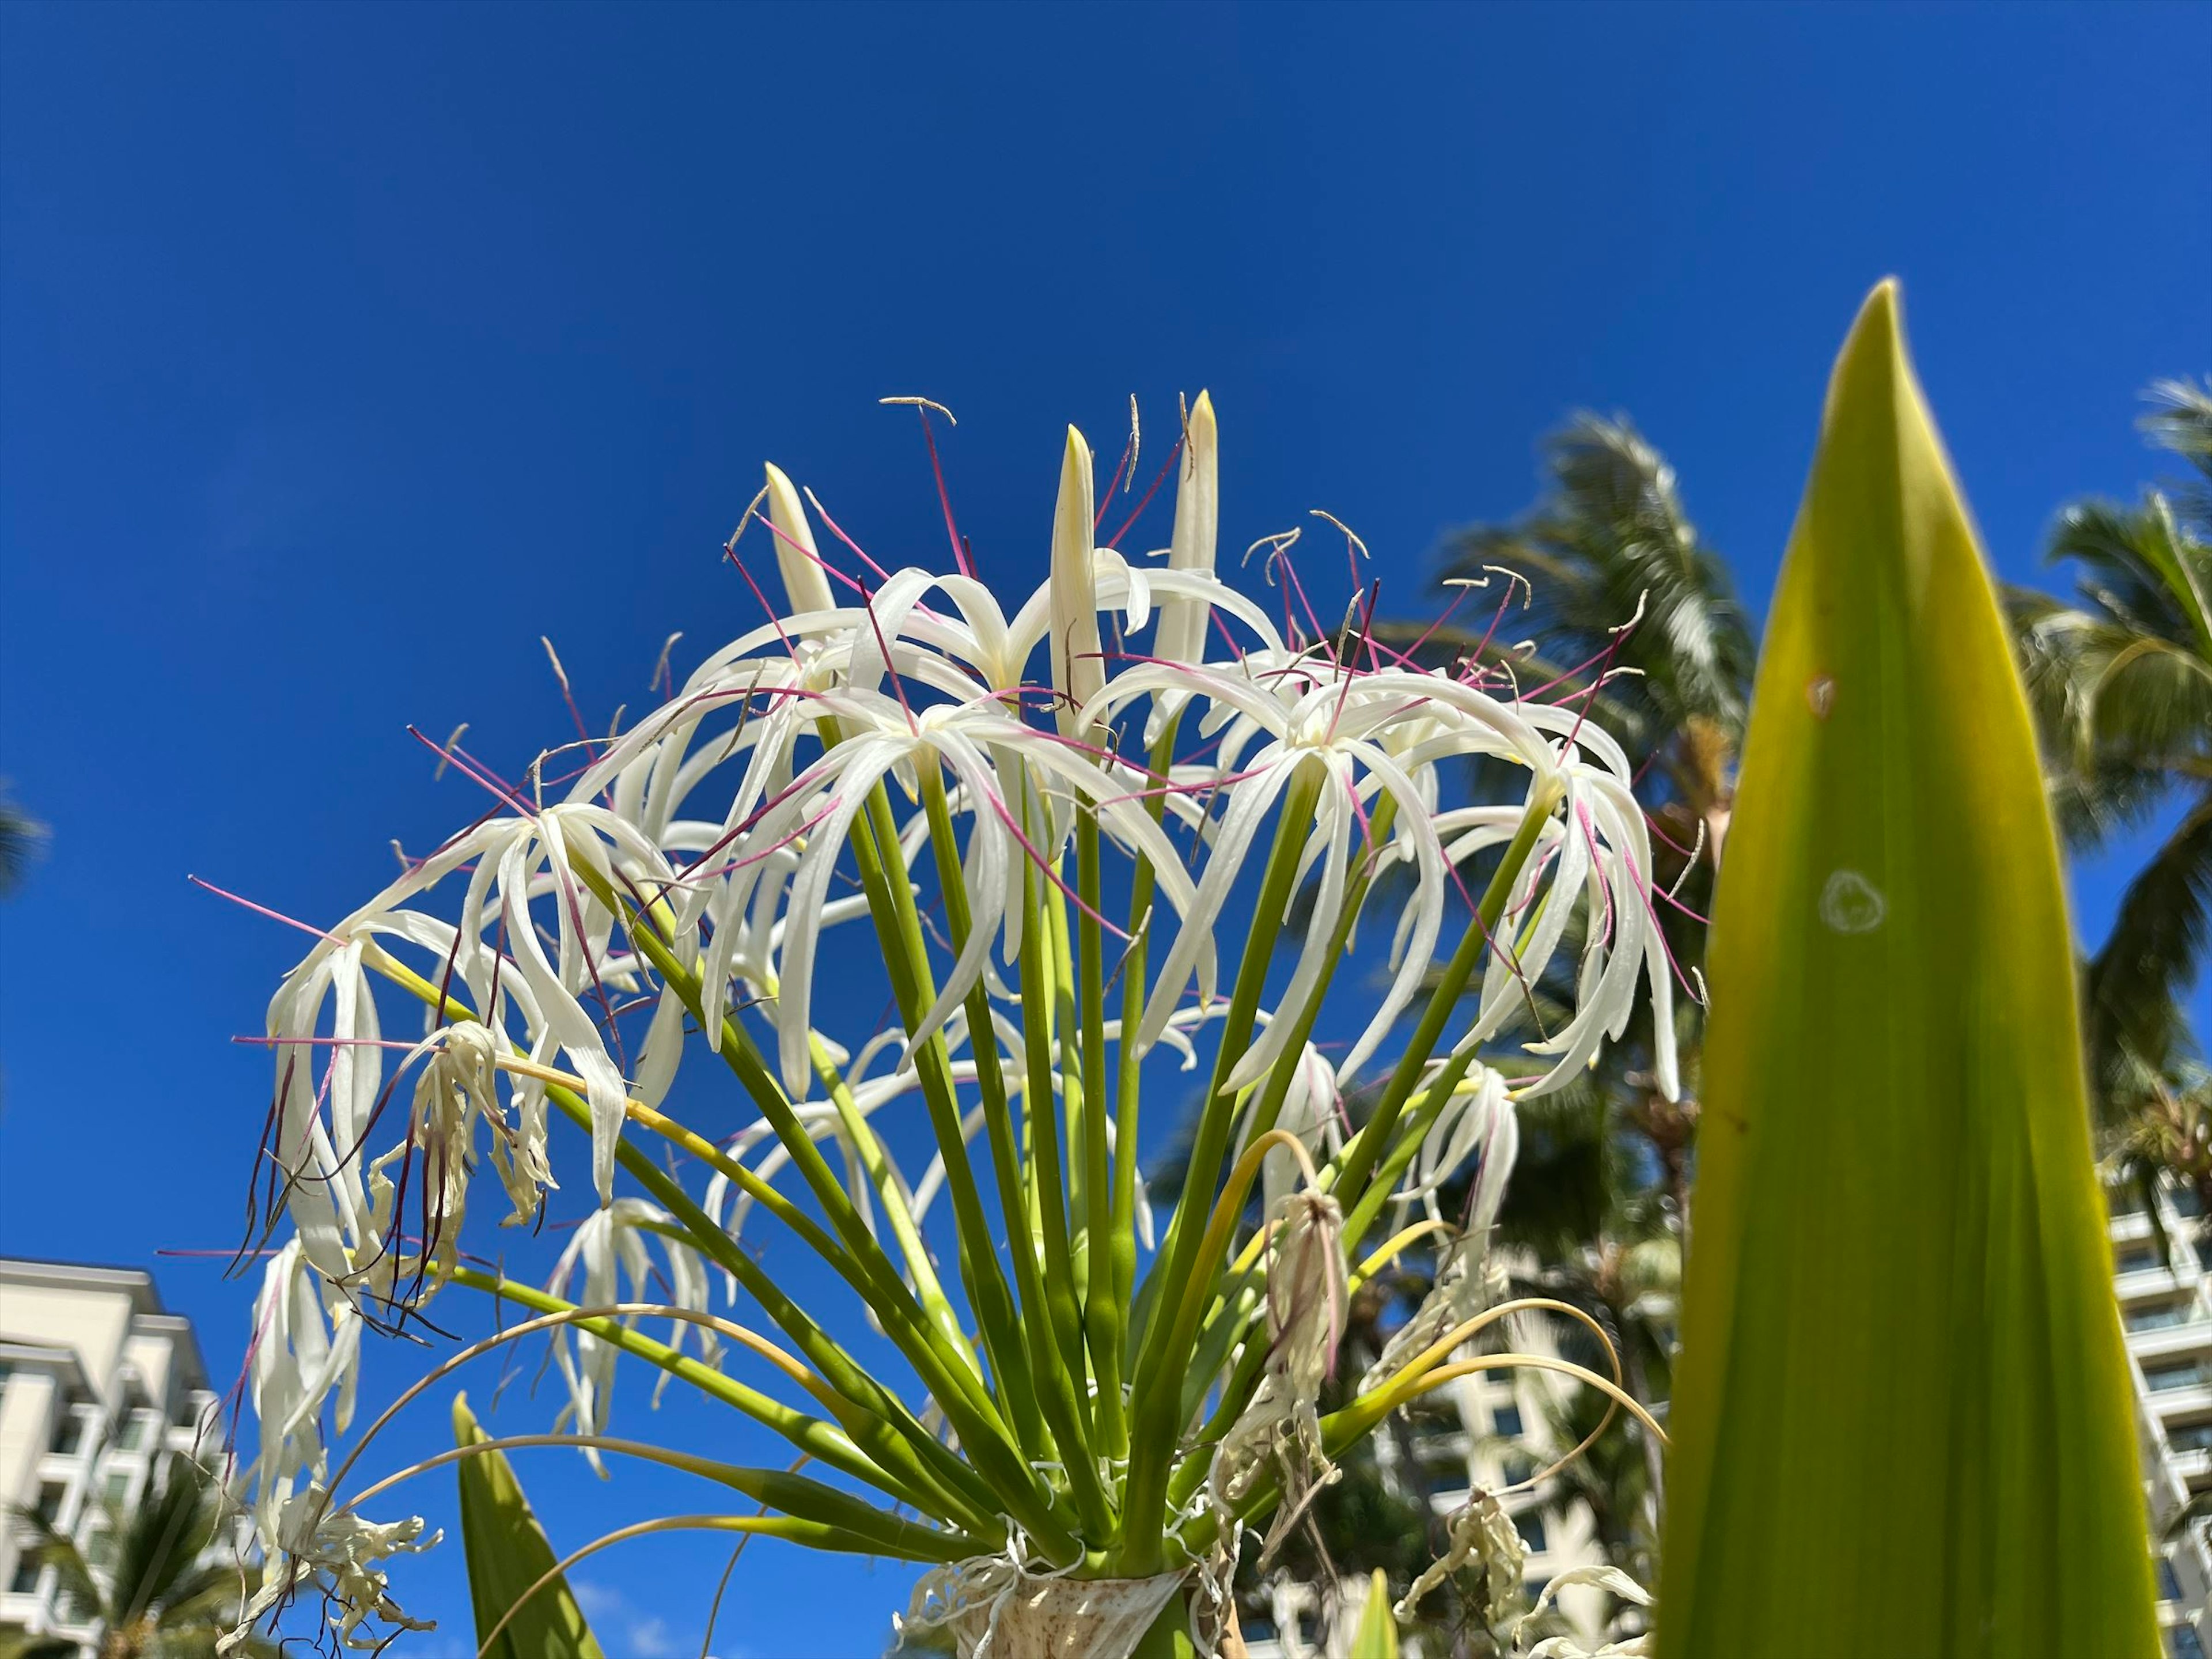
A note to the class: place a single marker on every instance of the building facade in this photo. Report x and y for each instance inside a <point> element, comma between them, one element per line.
<point>96,1382</point>
<point>2166,1309</point>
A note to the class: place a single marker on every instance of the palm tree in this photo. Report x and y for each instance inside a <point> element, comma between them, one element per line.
<point>157,1600</point>
<point>21,837</point>
<point>1607,542</point>
<point>2121,683</point>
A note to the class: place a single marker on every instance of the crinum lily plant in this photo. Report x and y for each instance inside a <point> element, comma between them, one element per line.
<point>1090,1416</point>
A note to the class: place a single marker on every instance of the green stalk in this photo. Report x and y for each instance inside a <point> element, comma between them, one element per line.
<point>899,929</point>
<point>1159,1415</point>
<point>1406,1075</point>
<point>779,1489</point>
<point>1039,1113</point>
<point>1013,1487</point>
<point>1025,1378</point>
<point>946,1368</point>
<point>826,1443</point>
<point>1110,1336</point>
<point>898,1216</point>
<point>1173,1266</point>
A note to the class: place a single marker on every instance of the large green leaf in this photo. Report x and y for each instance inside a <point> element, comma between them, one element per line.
<point>1902,1418</point>
<point>507,1553</point>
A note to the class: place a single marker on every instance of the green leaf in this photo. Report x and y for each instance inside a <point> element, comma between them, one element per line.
<point>1902,1417</point>
<point>507,1553</point>
<point>1378,1635</point>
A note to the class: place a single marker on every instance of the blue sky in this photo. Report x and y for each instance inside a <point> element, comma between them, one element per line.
<point>346,351</point>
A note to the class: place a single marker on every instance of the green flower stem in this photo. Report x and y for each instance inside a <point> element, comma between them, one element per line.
<point>795,1495</point>
<point>1380,1130</point>
<point>950,1381</point>
<point>898,1215</point>
<point>1342,1428</point>
<point>826,1443</point>
<point>1159,1417</point>
<point>898,927</point>
<point>1172,1267</point>
<point>944,1363</point>
<point>1395,1162</point>
<point>1110,1341</point>
<point>1243,1297</point>
<point>1027,1380</point>
<point>1235,1395</point>
<point>1039,1113</point>
<point>1015,1497</point>
<point>1277,1087</point>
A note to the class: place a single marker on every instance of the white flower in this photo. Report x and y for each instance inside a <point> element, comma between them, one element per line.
<point>342,1555</point>
<point>796,555</point>
<point>609,1246</point>
<point>1566,1647</point>
<point>1482,1531</point>
<point>304,1357</point>
<point>1078,663</point>
<point>1181,636</point>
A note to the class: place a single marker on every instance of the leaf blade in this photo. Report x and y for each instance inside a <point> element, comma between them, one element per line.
<point>1902,1413</point>
<point>507,1553</point>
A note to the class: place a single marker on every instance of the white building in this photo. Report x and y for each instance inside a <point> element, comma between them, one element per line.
<point>2165,1306</point>
<point>95,1382</point>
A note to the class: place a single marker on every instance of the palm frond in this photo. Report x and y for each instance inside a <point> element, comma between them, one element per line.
<point>2159,939</point>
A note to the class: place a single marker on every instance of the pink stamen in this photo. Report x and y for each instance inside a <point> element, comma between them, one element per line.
<point>1115,540</point>
<point>264,910</point>
<point>960,560</point>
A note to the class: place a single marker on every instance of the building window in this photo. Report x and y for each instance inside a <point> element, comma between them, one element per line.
<point>117,1486</point>
<point>2191,1436</point>
<point>102,1549</point>
<point>25,1582</point>
<point>2173,1374</point>
<point>2156,1317</point>
<point>2185,1201</point>
<point>2181,1642</point>
<point>1444,1477</point>
<point>2125,1199</point>
<point>138,1433</point>
<point>77,1434</point>
<point>52,1494</point>
<point>1506,1421</point>
<point>2134,1258</point>
<point>1530,1526</point>
<point>1531,1590</point>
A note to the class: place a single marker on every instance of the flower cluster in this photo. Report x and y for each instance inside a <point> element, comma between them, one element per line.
<point>1063,873</point>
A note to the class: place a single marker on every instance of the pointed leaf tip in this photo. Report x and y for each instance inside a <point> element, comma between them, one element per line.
<point>1902,1412</point>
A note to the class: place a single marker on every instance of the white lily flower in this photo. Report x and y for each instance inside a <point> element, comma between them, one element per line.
<point>609,1246</point>
<point>796,555</point>
<point>1181,636</point>
<point>306,1357</point>
<point>1313,1111</point>
<point>1567,1647</point>
<point>1079,664</point>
